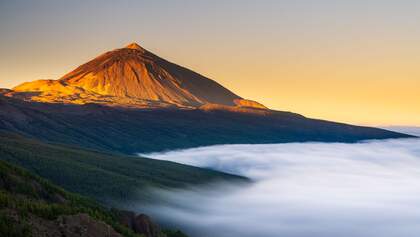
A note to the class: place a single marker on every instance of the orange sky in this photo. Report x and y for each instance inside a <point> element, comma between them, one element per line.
<point>352,62</point>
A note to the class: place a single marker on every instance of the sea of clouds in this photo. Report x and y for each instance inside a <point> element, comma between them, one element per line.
<point>366,189</point>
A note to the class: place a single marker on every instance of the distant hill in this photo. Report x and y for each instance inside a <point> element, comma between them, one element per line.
<point>415,131</point>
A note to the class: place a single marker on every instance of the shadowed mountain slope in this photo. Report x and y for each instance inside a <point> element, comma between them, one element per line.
<point>129,131</point>
<point>103,176</point>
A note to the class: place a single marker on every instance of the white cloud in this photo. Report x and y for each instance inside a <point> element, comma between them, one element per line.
<point>301,190</point>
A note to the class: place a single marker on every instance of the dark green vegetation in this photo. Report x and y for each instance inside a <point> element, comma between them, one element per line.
<point>99,175</point>
<point>32,206</point>
<point>25,198</point>
<point>12,228</point>
<point>173,233</point>
<point>132,130</point>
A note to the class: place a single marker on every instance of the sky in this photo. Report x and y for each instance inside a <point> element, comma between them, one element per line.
<point>349,61</point>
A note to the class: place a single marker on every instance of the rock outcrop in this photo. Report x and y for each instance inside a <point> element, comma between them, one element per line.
<point>143,225</point>
<point>79,225</point>
<point>248,104</point>
<point>82,225</point>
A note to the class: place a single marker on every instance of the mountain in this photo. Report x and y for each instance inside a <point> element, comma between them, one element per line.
<point>129,100</point>
<point>131,76</point>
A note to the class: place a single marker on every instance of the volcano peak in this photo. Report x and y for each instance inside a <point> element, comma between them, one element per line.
<point>132,76</point>
<point>134,45</point>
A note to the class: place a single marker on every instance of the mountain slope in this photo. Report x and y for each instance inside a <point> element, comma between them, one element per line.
<point>132,130</point>
<point>105,177</point>
<point>130,76</point>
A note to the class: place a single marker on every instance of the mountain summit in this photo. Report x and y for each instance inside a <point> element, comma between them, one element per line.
<point>134,45</point>
<point>132,76</point>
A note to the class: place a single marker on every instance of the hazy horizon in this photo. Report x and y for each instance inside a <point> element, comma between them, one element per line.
<point>404,129</point>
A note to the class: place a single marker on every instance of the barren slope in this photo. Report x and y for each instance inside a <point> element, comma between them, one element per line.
<point>130,76</point>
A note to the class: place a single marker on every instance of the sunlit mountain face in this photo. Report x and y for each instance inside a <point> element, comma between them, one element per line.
<point>132,77</point>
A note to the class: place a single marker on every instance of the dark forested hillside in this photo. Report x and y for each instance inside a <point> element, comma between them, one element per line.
<point>105,177</point>
<point>32,206</point>
<point>129,131</point>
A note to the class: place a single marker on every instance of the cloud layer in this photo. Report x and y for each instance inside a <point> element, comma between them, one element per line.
<point>301,190</point>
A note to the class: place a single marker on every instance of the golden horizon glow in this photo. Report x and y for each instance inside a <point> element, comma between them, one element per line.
<point>347,62</point>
